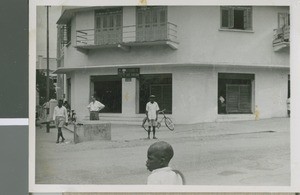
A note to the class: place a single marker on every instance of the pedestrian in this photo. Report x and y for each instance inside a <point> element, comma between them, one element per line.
<point>94,108</point>
<point>152,109</point>
<point>60,116</point>
<point>158,157</point>
<point>222,105</point>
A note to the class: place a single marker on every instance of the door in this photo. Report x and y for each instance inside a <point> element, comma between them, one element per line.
<point>151,24</point>
<point>108,90</point>
<point>108,27</point>
<point>238,98</point>
<point>163,96</point>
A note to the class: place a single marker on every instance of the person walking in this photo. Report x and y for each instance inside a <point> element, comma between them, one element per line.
<point>94,108</point>
<point>152,109</point>
<point>60,116</point>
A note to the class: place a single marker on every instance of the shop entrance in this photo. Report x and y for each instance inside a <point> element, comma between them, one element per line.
<point>235,93</point>
<point>159,85</point>
<point>108,90</point>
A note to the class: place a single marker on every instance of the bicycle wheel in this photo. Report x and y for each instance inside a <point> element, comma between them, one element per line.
<point>169,123</point>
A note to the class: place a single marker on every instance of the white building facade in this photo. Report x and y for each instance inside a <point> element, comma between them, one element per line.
<point>187,56</point>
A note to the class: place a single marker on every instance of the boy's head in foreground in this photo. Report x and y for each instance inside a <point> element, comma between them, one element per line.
<point>159,155</point>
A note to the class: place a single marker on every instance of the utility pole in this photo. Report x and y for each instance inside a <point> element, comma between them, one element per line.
<point>47,79</point>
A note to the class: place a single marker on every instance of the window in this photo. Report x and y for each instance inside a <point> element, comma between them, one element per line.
<point>151,23</point>
<point>283,20</point>
<point>65,33</point>
<point>235,93</point>
<point>108,26</point>
<point>236,17</point>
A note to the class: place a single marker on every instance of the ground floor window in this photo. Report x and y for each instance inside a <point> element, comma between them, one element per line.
<point>159,85</point>
<point>235,93</point>
<point>108,90</point>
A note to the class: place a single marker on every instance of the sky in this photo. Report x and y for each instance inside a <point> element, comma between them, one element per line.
<point>41,43</point>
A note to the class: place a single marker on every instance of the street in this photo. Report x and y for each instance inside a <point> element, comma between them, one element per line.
<point>229,153</point>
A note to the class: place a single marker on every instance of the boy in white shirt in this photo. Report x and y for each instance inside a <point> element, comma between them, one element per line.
<point>60,116</point>
<point>152,109</point>
<point>158,157</point>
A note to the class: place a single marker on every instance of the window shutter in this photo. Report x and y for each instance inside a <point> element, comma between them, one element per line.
<point>232,98</point>
<point>224,17</point>
<point>245,99</point>
<point>248,18</point>
<point>231,17</point>
<point>64,34</point>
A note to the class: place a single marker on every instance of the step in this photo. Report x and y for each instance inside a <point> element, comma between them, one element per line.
<point>235,117</point>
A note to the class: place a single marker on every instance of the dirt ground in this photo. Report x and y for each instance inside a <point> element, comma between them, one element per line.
<point>231,153</point>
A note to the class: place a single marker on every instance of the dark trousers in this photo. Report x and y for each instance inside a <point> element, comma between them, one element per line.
<point>94,115</point>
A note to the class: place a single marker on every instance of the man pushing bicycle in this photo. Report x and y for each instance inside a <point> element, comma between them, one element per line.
<point>152,109</point>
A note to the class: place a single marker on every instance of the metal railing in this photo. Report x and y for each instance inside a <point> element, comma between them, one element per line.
<point>281,35</point>
<point>127,34</point>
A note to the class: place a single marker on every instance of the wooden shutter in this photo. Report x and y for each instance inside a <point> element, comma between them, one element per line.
<point>245,99</point>
<point>238,98</point>
<point>224,17</point>
<point>248,18</point>
<point>232,98</point>
<point>108,26</point>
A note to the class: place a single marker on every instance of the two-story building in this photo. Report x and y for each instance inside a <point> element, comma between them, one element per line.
<point>187,56</point>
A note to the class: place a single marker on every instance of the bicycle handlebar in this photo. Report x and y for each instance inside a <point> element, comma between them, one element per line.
<point>162,111</point>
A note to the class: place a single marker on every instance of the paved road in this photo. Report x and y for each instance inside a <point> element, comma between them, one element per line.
<point>235,153</point>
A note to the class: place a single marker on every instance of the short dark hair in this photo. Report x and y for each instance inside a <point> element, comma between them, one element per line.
<point>165,150</point>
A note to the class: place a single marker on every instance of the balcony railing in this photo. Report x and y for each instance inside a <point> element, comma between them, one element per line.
<point>281,38</point>
<point>127,36</point>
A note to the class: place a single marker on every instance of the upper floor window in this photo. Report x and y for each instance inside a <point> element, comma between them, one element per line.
<point>108,26</point>
<point>283,20</point>
<point>151,23</point>
<point>236,17</point>
<point>65,33</point>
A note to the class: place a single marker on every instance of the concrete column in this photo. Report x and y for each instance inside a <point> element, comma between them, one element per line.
<point>129,96</point>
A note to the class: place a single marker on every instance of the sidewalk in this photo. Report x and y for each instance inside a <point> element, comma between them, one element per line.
<point>134,132</point>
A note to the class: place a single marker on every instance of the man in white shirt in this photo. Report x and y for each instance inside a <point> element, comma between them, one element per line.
<point>94,108</point>
<point>152,109</point>
<point>60,116</point>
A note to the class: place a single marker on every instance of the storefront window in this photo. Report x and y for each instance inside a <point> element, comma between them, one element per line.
<point>235,93</point>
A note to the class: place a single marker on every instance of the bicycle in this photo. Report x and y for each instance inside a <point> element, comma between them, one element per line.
<point>168,122</point>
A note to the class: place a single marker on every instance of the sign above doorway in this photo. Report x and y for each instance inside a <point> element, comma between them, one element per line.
<point>129,72</point>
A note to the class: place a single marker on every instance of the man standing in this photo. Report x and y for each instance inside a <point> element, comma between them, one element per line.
<point>152,109</point>
<point>94,108</point>
<point>60,116</point>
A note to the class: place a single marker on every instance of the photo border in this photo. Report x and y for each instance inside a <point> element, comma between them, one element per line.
<point>294,68</point>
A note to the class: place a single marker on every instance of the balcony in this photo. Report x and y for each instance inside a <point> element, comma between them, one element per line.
<point>128,36</point>
<point>281,38</point>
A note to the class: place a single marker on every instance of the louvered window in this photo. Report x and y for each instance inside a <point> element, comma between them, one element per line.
<point>108,26</point>
<point>235,93</point>
<point>236,17</point>
<point>65,33</point>
<point>151,23</point>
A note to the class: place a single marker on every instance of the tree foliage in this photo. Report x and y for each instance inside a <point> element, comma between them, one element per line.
<point>41,86</point>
